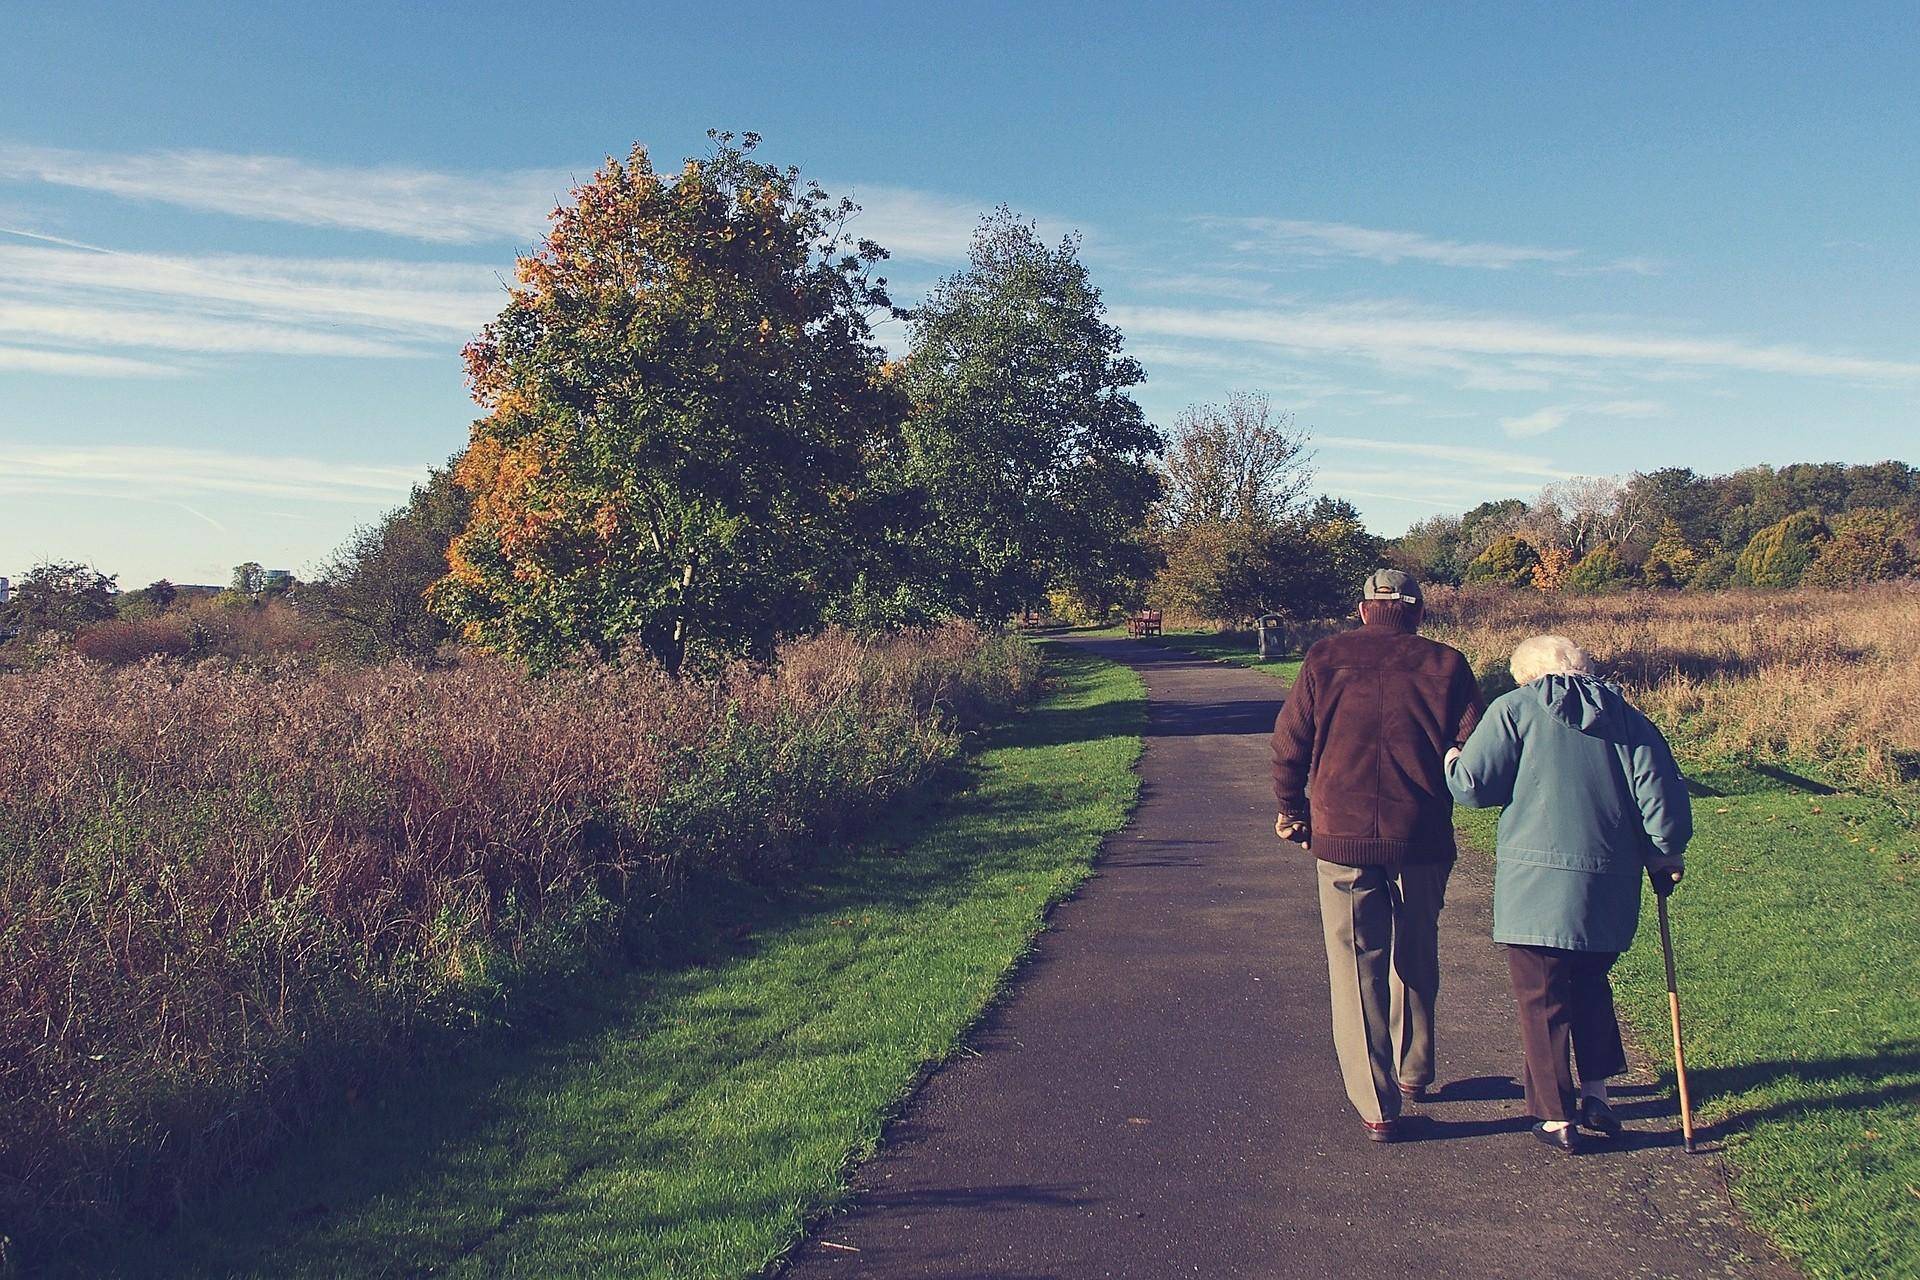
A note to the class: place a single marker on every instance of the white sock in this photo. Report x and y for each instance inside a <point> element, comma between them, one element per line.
<point>1554,1126</point>
<point>1594,1089</point>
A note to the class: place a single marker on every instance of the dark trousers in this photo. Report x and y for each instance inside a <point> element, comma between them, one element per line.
<point>1564,997</point>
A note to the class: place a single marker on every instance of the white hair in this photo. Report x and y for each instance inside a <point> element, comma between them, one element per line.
<point>1539,656</point>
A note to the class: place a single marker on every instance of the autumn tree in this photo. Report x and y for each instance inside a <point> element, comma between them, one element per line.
<point>1865,545</point>
<point>1234,460</point>
<point>683,399</point>
<point>1027,462</point>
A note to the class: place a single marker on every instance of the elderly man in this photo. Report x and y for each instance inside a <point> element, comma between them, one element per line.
<point>1357,773</point>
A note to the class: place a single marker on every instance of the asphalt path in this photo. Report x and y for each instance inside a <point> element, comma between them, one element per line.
<point>1157,1094</point>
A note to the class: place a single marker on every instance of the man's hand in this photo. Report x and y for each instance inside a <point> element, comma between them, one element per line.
<point>1291,829</point>
<point>1665,874</point>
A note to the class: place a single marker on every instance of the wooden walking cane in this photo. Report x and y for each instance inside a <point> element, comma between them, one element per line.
<point>1673,1007</point>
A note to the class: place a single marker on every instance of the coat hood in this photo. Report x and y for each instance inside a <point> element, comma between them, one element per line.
<point>1588,704</point>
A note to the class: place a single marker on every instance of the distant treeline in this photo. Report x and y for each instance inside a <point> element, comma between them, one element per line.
<point>1813,523</point>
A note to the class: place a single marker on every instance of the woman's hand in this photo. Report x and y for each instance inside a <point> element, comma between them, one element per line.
<point>1665,874</point>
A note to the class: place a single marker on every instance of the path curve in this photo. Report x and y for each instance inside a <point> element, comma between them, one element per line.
<point>1157,1097</point>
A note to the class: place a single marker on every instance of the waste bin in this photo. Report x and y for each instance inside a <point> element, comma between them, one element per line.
<point>1272,642</point>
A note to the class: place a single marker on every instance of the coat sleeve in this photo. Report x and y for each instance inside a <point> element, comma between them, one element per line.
<point>1666,810</point>
<point>1483,773</point>
<point>1293,746</point>
<point>1465,703</point>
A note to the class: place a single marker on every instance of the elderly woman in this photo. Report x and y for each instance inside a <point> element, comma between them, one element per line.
<point>1593,801</point>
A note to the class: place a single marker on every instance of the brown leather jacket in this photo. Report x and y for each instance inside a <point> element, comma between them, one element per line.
<point>1365,729</point>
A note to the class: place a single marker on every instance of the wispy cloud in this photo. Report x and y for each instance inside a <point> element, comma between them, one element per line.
<point>1554,416</point>
<point>62,293</point>
<point>1344,240</point>
<point>418,204</point>
<point>433,298</point>
<point>1496,461</point>
<point>146,469</point>
<point>1397,335</point>
<point>1537,423</point>
<point>76,364</point>
<point>926,226</point>
<point>52,323</point>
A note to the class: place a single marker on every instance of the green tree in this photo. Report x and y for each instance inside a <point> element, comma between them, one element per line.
<point>1223,569</point>
<point>249,579</point>
<point>1430,550</point>
<point>1865,546</point>
<point>371,598</point>
<point>1678,499</point>
<point>684,404</point>
<point>60,596</point>
<point>1028,463</point>
<point>1778,555</point>
<point>1320,561</point>
<point>1599,571</point>
<point>1509,560</point>
<point>149,601</point>
<point>1673,559</point>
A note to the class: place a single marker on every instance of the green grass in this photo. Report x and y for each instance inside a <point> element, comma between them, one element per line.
<point>1797,939</point>
<point>688,1121</point>
<point>1231,648</point>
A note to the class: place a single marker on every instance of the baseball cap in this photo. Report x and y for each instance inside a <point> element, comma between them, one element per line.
<point>1391,584</point>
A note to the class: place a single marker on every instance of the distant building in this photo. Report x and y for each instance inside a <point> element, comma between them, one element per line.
<point>6,590</point>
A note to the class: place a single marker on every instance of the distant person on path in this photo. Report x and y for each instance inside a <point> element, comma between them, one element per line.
<point>1358,776</point>
<point>1593,801</point>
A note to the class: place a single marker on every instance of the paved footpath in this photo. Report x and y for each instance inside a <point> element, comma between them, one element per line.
<point>1157,1096</point>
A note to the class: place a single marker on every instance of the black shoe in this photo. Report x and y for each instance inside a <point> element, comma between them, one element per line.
<point>1596,1115</point>
<point>1566,1139</point>
<point>1414,1092</point>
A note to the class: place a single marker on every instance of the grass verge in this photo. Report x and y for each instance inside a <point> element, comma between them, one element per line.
<point>1795,936</point>
<point>688,1121</point>
<point>1228,647</point>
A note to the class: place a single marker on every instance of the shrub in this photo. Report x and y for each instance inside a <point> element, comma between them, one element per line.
<point>230,893</point>
<point>133,639</point>
<point>1778,555</point>
<point>1673,560</point>
<point>1865,546</point>
<point>1714,574</point>
<point>1599,571</point>
<point>1509,560</point>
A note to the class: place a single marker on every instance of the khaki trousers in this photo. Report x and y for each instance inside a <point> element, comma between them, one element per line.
<point>1383,969</point>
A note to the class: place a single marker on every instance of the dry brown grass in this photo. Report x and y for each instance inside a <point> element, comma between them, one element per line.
<point>1813,677</point>
<point>224,892</point>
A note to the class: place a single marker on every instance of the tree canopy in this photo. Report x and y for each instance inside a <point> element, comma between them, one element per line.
<point>683,399</point>
<point>1027,464</point>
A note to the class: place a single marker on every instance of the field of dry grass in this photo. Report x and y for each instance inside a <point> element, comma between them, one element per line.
<point>228,893</point>
<point>1818,678</point>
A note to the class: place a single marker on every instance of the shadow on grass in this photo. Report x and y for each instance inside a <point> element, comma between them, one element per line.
<point>1889,1074</point>
<point>474,1122</point>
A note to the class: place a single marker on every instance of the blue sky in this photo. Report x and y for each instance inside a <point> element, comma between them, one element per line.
<point>1474,248</point>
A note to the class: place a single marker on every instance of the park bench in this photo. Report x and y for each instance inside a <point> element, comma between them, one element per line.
<point>1145,622</point>
<point>1030,619</point>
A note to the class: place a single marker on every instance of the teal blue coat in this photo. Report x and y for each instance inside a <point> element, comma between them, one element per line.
<point>1591,792</point>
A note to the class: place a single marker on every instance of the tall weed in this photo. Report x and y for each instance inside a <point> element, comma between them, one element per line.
<point>226,893</point>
